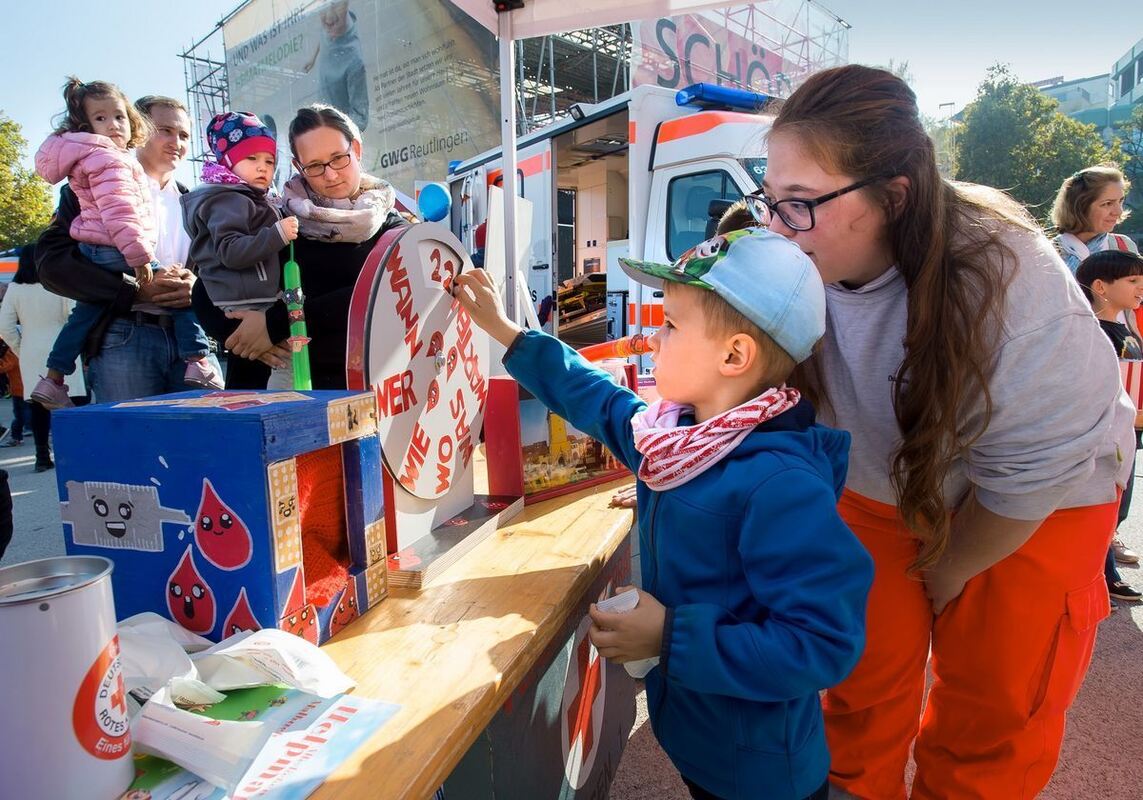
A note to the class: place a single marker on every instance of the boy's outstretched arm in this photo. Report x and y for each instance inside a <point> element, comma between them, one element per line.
<point>556,375</point>
<point>482,302</point>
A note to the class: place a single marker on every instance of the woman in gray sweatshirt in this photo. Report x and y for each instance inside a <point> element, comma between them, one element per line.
<point>989,431</point>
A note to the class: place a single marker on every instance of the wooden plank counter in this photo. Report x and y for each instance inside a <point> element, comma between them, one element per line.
<point>452,654</point>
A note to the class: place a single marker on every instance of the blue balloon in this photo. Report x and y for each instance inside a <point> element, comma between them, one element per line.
<point>434,202</point>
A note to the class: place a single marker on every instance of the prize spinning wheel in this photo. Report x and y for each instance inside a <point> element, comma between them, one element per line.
<point>414,345</point>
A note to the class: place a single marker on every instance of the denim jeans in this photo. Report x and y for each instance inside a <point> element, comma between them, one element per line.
<point>189,335</point>
<point>137,360</point>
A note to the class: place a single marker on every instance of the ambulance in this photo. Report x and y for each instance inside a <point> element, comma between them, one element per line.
<point>645,174</point>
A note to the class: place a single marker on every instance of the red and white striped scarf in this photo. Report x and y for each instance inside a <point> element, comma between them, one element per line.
<point>673,455</point>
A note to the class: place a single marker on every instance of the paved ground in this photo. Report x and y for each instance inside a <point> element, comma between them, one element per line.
<point>35,504</point>
<point>1103,748</point>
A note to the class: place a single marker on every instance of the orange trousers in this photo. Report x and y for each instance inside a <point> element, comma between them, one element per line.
<point>1008,657</point>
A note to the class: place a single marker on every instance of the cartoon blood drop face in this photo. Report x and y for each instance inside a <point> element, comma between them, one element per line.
<point>436,344</point>
<point>219,533</point>
<point>450,364</point>
<point>434,395</point>
<point>241,617</point>
<point>189,598</point>
<point>302,623</point>
<point>346,609</point>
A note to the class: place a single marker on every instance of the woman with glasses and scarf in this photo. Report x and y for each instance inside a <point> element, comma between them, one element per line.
<point>989,433</point>
<point>342,212</point>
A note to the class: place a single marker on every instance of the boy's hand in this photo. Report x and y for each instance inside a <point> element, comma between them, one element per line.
<point>144,274</point>
<point>624,498</point>
<point>289,226</point>
<point>631,635</point>
<point>478,296</point>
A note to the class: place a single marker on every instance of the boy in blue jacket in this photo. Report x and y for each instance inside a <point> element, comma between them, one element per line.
<point>754,589</point>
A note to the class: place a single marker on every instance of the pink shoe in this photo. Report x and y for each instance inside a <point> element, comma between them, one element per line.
<point>51,395</point>
<point>201,373</point>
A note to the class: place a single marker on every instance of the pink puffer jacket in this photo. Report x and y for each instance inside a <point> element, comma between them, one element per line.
<point>114,197</point>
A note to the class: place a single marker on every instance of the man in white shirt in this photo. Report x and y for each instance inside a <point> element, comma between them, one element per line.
<point>132,353</point>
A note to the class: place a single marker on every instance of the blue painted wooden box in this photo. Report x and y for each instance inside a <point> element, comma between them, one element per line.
<point>194,496</point>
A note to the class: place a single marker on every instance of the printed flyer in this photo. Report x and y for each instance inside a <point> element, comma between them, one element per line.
<point>304,738</point>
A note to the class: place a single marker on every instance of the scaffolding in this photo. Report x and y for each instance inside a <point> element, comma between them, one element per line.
<point>207,88</point>
<point>585,66</point>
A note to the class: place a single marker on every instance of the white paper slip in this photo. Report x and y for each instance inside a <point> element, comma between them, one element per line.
<point>621,604</point>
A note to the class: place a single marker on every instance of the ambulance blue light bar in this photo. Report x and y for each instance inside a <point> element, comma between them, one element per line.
<point>709,95</point>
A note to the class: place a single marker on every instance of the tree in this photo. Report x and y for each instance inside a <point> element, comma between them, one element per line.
<point>25,200</point>
<point>943,134</point>
<point>1130,137</point>
<point>1014,138</point>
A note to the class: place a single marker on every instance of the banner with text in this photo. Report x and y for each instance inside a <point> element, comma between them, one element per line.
<point>738,47</point>
<point>418,78</point>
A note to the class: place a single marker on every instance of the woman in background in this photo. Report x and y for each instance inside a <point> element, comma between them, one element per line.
<point>30,320</point>
<point>1087,208</point>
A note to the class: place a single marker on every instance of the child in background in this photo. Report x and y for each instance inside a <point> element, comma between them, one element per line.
<point>115,227</point>
<point>736,218</point>
<point>236,234</point>
<point>755,589</point>
<point>1113,283</point>
<point>10,368</point>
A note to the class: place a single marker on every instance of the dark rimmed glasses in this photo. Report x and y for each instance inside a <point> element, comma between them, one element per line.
<point>796,212</point>
<point>340,161</point>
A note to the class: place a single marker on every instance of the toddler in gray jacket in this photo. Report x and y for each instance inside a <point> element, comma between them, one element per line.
<point>236,234</point>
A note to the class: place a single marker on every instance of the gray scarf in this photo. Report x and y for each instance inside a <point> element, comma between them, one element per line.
<point>328,220</point>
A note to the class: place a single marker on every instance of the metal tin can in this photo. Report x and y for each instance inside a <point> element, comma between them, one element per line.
<point>61,682</point>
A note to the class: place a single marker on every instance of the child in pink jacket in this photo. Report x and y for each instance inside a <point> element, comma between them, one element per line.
<point>115,228</point>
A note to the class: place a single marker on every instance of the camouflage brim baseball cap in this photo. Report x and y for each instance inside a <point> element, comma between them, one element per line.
<point>689,268</point>
<point>764,276</point>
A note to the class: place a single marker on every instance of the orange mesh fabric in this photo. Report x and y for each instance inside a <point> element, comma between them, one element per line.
<point>321,503</point>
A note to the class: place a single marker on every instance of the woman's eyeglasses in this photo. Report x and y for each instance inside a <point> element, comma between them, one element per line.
<point>796,212</point>
<point>340,161</point>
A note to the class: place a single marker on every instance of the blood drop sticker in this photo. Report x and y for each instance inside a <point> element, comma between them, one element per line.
<point>99,716</point>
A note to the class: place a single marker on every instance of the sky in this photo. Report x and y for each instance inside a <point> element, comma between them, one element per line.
<point>134,44</point>
<point>947,46</point>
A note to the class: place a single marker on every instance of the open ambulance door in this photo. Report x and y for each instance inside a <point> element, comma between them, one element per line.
<point>535,176</point>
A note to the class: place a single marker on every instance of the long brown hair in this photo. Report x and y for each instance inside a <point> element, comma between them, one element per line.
<point>74,118</point>
<point>863,122</point>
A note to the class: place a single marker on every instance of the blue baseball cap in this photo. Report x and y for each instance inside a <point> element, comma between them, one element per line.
<point>766,277</point>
